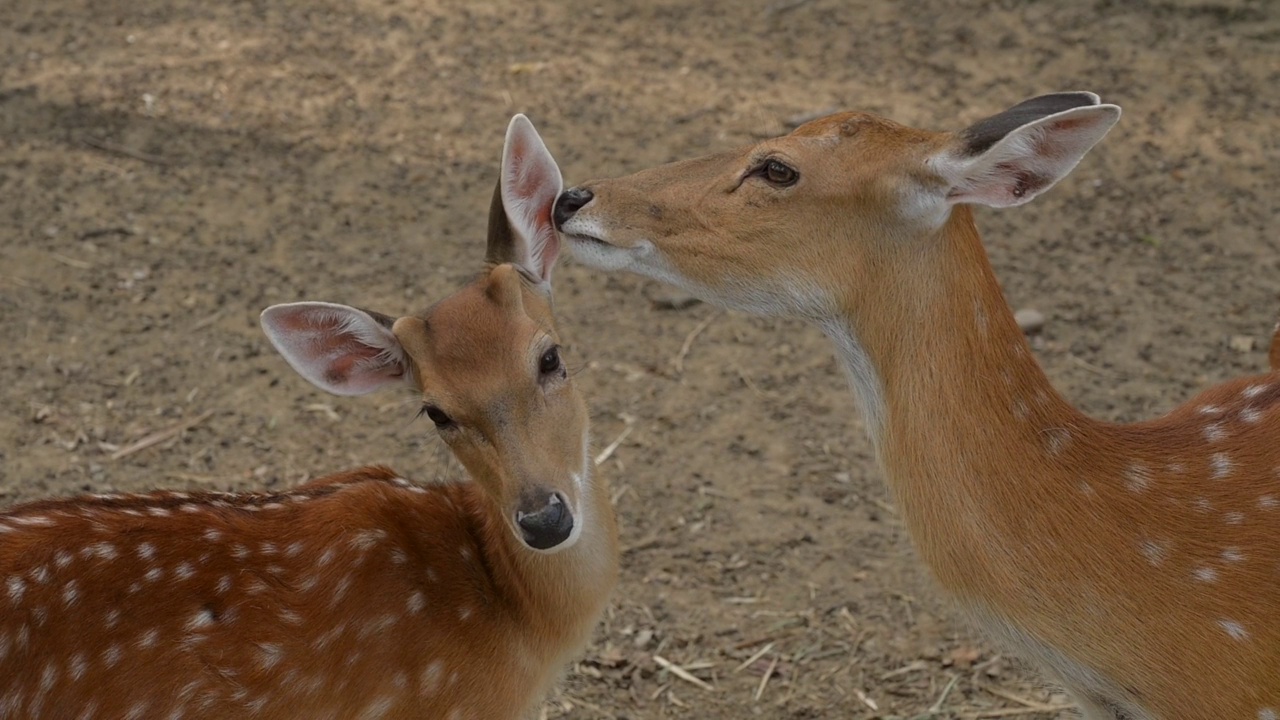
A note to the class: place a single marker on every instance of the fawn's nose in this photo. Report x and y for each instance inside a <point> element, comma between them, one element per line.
<point>570,202</point>
<point>545,520</point>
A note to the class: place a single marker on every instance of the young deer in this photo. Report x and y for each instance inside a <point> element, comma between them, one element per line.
<point>1137,563</point>
<point>360,595</point>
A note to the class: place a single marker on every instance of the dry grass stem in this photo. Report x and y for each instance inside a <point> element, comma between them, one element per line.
<point>607,452</point>
<point>1010,696</point>
<point>678,362</point>
<point>111,147</point>
<point>1015,712</point>
<point>160,436</point>
<point>681,673</point>
<point>752,659</point>
<point>764,681</point>
<point>72,262</point>
<point>937,706</point>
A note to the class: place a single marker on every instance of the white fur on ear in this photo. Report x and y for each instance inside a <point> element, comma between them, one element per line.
<point>339,349</point>
<point>1024,162</point>
<point>530,183</point>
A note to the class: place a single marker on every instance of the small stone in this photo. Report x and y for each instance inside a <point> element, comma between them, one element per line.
<point>672,300</point>
<point>1241,343</point>
<point>642,638</point>
<point>1031,321</point>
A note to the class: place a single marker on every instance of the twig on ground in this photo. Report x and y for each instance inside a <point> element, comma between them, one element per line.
<point>160,436</point>
<point>1009,696</point>
<point>765,680</point>
<point>937,706</point>
<point>783,6</point>
<point>1014,712</point>
<point>607,452</point>
<point>678,362</point>
<point>752,659</point>
<point>111,147</point>
<point>681,673</point>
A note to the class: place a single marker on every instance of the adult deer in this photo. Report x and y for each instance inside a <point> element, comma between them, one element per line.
<point>359,595</point>
<point>1136,563</point>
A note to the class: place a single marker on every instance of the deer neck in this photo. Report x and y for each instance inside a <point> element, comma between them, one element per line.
<point>961,415</point>
<point>565,591</point>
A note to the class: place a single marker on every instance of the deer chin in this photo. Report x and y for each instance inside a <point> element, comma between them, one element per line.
<point>593,246</point>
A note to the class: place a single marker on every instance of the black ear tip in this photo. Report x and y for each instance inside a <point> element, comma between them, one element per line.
<point>980,136</point>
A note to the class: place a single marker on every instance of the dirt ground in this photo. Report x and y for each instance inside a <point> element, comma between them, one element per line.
<point>170,168</point>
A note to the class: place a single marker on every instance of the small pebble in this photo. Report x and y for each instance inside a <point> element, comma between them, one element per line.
<point>1031,321</point>
<point>1242,343</point>
<point>673,300</point>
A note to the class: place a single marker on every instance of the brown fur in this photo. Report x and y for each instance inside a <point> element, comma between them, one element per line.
<point>1136,562</point>
<point>355,595</point>
<point>279,642</point>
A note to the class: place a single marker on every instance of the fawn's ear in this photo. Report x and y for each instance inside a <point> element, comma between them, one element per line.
<point>520,228</point>
<point>1010,158</point>
<point>339,349</point>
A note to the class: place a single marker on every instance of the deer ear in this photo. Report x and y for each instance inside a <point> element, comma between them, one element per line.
<point>1010,158</point>
<point>520,227</point>
<point>339,349</point>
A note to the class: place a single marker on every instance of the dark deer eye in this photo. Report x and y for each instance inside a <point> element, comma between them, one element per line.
<point>550,361</point>
<point>436,415</point>
<point>779,173</point>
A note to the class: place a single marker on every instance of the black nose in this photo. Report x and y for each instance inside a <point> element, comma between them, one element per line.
<point>546,526</point>
<point>570,202</point>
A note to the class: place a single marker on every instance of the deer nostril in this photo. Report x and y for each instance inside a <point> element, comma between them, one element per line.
<point>548,526</point>
<point>570,202</point>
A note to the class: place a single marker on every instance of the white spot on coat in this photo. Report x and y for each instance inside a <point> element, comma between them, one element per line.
<point>1214,433</point>
<point>70,593</point>
<point>378,708</point>
<point>202,619</point>
<point>149,638</point>
<point>1234,629</point>
<point>111,656</point>
<point>366,539</point>
<point>432,675</point>
<point>1137,477</point>
<point>16,588</point>
<point>77,666</point>
<point>33,521</point>
<point>1221,464</point>
<point>1056,440</point>
<point>1206,574</point>
<point>269,655</point>
<point>1155,551</point>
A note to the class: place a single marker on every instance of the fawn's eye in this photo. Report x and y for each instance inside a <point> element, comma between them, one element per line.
<point>437,416</point>
<point>778,173</point>
<point>550,362</point>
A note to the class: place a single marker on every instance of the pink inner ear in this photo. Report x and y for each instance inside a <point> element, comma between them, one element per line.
<point>531,183</point>
<point>342,350</point>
